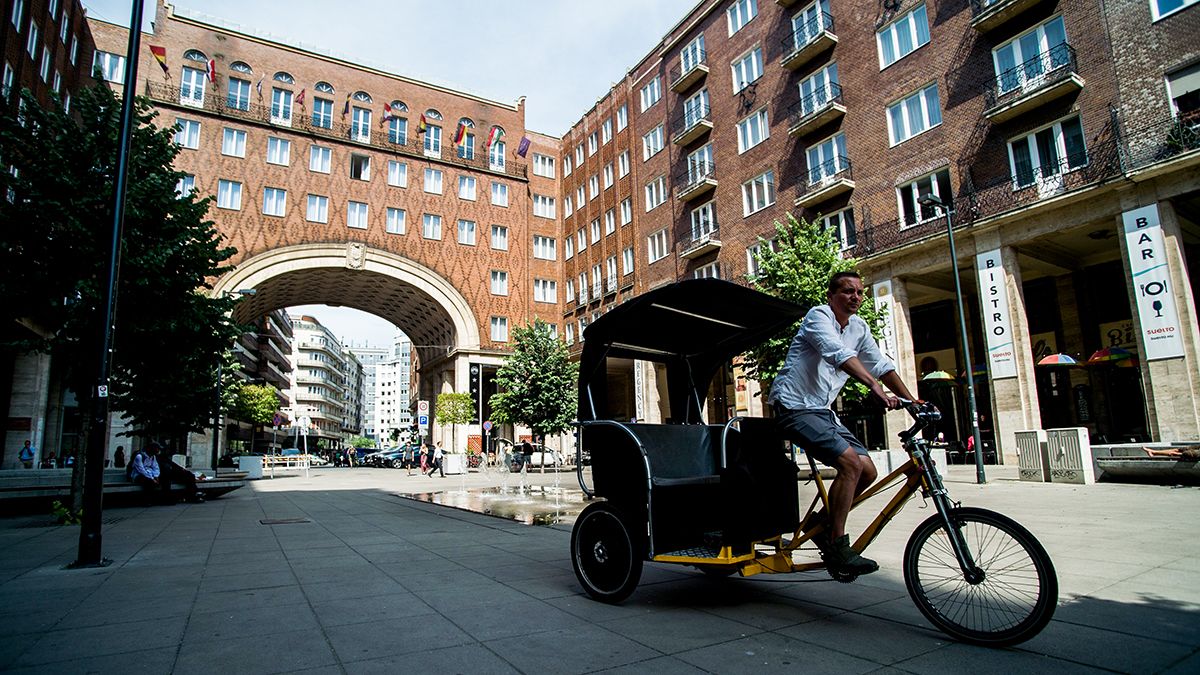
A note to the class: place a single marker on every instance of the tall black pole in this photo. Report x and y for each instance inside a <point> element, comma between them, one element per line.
<point>216,449</point>
<point>962,324</point>
<point>97,445</point>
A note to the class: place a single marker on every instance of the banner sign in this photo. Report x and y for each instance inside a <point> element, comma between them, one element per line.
<point>882,292</point>
<point>1152,290</point>
<point>997,325</point>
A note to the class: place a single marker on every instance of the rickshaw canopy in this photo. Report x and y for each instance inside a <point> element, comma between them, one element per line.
<point>692,326</point>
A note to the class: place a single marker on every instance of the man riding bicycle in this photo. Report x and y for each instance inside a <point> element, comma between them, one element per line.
<point>832,345</point>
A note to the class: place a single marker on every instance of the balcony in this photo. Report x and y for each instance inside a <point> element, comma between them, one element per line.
<point>826,181</point>
<point>987,15</point>
<point>691,125</point>
<point>610,285</point>
<point>700,243</point>
<point>809,41</point>
<point>167,95</point>
<point>816,110</point>
<point>1032,84</point>
<point>684,76</point>
<point>698,180</point>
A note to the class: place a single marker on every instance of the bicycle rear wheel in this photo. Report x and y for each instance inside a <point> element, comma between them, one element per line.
<point>1012,599</point>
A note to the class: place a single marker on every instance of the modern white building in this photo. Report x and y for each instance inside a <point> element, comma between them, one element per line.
<point>319,388</point>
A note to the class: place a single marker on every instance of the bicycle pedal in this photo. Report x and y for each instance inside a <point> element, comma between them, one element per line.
<point>842,576</point>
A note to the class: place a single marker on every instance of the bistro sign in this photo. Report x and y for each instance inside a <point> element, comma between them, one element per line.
<point>993,302</point>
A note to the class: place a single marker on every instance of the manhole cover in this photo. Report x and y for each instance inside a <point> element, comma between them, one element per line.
<point>284,521</point>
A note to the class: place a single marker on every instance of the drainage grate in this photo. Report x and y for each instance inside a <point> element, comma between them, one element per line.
<point>284,521</point>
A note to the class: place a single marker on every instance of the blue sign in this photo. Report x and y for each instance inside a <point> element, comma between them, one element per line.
<point>422,420</point>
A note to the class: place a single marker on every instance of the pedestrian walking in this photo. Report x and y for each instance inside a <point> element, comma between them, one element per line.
<point>28,454</point>
<point>437,461</point>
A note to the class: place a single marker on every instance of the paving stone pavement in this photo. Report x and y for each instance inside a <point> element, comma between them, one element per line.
<point>378,583</point>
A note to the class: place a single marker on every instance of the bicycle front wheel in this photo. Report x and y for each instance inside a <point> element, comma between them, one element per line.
<point>1010,597</point>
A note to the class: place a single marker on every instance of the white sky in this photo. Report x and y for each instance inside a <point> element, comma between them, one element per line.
<point>563,55</point>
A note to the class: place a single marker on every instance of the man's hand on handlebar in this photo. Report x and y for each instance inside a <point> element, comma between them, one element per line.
<point>889,401</point>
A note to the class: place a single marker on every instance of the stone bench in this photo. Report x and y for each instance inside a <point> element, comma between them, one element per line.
<point>42,485</point>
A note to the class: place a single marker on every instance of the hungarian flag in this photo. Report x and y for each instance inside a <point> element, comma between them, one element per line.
<point>422,126</point>
<point>258,88</point>
<point>160,55</point>
<point>212,71</point>
<point>460,133</point>
<point>495,136</point>
<point>523,146</point>
<point>300,98</point>
<point>346,108</point>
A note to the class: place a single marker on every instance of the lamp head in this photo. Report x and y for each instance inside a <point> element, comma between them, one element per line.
<point>931,200</point>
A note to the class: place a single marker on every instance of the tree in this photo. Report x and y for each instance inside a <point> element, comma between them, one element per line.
<point>55,203</point>
<point>797,268</point>
<point>256,404</point>
<point>537,383</point>
<point>361,442</point>
<point>454,409</point>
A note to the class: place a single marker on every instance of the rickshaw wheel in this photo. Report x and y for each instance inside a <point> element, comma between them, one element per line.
<point>605,553</point>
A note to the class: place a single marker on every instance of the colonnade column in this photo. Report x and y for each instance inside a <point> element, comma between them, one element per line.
<point>27,407</point>
<point>891,295</point>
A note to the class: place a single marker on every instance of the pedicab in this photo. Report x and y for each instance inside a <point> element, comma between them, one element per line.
<point>725,498</point>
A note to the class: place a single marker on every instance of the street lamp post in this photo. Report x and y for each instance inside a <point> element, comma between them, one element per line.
<point>936,202</point>
<point>216,445</point>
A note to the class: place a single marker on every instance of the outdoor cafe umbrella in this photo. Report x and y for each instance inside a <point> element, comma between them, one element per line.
<point>1058,360</point>
<point>1109,355</point>
<point>938,376</point>
<point>941,377</point>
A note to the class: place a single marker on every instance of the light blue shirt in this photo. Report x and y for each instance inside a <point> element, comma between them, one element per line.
<point>146,465</point>
<point>812,375</point>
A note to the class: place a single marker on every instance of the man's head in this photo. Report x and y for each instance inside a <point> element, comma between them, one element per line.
<point>845,293</point>
<point>153,449</point>
<point>27,443</point>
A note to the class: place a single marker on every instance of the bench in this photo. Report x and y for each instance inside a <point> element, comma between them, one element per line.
<point>37,486</point>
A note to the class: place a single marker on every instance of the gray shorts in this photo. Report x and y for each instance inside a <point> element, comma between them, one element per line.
<point>818,432</point>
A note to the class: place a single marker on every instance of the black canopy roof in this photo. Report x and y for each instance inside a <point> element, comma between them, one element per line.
<point>692,326</point>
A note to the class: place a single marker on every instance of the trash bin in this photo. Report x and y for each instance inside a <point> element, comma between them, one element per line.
<point>252,465</point>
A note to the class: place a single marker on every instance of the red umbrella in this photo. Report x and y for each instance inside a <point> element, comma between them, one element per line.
<point>1058,360</point>
<point>1108,355</point>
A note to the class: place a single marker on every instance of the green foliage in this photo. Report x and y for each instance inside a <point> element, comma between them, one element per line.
<point>537,383</point>
<point>256,403</point>
<point>454,409</point>
<point>361,442</point>
<point>798,269</point>
<point>167,330</point>
<point>63,515</point>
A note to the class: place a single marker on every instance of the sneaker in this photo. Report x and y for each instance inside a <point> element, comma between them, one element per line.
<point>842,557</point>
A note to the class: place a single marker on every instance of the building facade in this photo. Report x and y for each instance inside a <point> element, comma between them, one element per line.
<point>320,390</point>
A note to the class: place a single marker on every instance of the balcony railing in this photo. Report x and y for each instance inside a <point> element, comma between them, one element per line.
<point>1045,77</point>
<point>413,145</point>
<point>826,180</point>
<point>699,242</point>
<point>698,179</point>
<point>690,125</point>
<point>816,109</point>
<point>809,40</point>
<point>681,78</point>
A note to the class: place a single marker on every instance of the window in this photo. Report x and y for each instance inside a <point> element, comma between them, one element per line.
<point>901,37</point>
<point>466,146</point>
<point>608,175</point>
<point>610,268</point>
<point>356,215</point>
<point>281,106</point>
<point>570,290</point>
<point>318,209</point>
<point>74,49</point>
<point>319,159</point>
<point>913,115</point>
<point>753,268</point>
<point>499,194</point>
<point>433,181</point>
<point>817,90</point>
<point>274,202</point>
<point>579,156</point>
<point>499,329</point>
<point>233,143</point>
<point>622,116</point>
<point>568,248</point>
<point>543,165</point>
<point>397,174</point>
<point>593,143</point>
<point>739,13</point>
<point>10,76</point>
<point>45,69</point>
<point>1161,8</point>
<point>499,282</point>
<point>656,245</point>
<point>279,151</point>
<point>1183,88</point>
<point>18,13</point>
<point>111,66</point>
<point>543,247</point>
<point>911,211</point>
<point>656,192</point>
<point>466,232</point>
<point>593,186</point>
<point>710,271</point>
<point>185,185</point>
<point>704,221</point>
<point>397,130</point>
<point>396,221</point>
<point>569,332</point>
<point>322,115</point>
<point>692,55</point>
<point>496,156</point>
<point>695,109</point>
<point>580,197</point>
<point>187,134</point>
<point>431,226</point>
<point>809,23</point>
<point>229,195</point>
<point>827,159</point>
<point>568,206</point>
<point>842,224</point>
<point>1044,156</point>
<point>595,227</point>
<point>581,239</point>
<point>360,167</point>
<point>543,206</point>
<point>499,237</point>
<point>651,92</point>
<point>753,130</point>
<point>1022,63</point>
<point>627,260</point>
<point>466,188</point>
<point>758,193</point>
<point>652,142</point>
<point>700,164</point>
<point>31,44</point>
<point>610,222</point>
<point>583,289</point>
<point>626,211</point>
<point>606,131</point>
<point>747,69</point>
<point>545,290</point>
<point>597,282</point>
<point>566,165</point>
<point>433,140</point>
<point>623,164</point>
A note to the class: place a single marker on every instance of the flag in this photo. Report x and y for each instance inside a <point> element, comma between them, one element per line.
<point>300,99</point>
<point>495,136</point>
<point>160,55</point>
<point>421,126</point>
<point>346,108</point>
<point>460,133</point>
<point>387,113</point>
<point>523,146</point>
<point>212,71</point>
<point>258,88</point>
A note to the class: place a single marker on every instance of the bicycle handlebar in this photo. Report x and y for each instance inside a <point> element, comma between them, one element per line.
<point>922,411</point>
